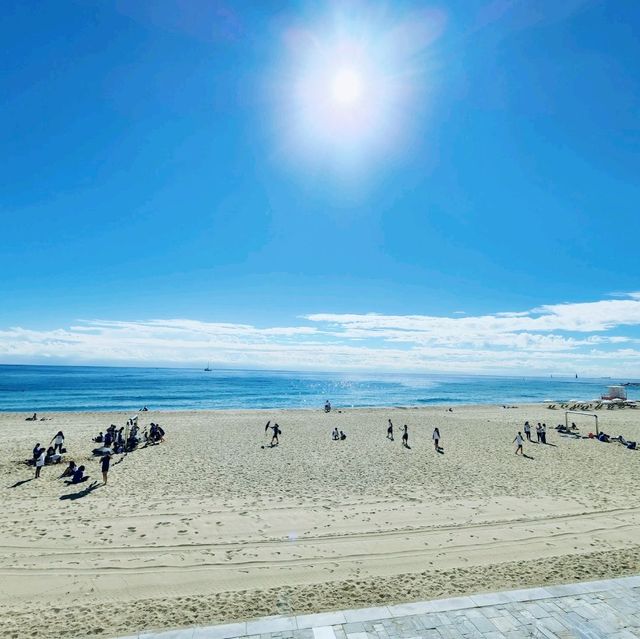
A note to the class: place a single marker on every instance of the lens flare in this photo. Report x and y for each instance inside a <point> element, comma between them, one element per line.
<point>353,86</point>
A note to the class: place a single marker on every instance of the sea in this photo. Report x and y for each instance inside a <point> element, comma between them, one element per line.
<point>99,388</point>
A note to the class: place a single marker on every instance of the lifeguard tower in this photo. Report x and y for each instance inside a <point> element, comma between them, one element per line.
<point>616,392</point>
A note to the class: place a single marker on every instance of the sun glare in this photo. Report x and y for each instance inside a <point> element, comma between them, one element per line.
<point>347,87</point>
<point>351,86</point>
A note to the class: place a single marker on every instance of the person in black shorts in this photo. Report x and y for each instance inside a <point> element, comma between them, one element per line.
<point>104,463</point>
<point>276,431</point>
<point>405,436</point>
<point>390,431</point>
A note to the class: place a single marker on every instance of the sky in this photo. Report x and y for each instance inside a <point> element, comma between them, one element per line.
<point>415,186</point>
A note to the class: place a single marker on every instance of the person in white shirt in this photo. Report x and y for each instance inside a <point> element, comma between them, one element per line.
<point>40,461</point>
<point>436,439</point>
<point>58,442</point>
<point>518,441</point>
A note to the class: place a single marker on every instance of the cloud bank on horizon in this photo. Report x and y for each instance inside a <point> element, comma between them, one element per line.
<point>594,338</point>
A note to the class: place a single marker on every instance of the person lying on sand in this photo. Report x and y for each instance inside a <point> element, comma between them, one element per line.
<point>32,419</point>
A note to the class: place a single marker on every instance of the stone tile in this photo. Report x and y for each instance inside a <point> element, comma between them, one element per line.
<point>271,625</point>
<point>320,619</point>
<point>530,594</point>
<point>324,632</point>
<point>350,628</point>
<point>226,631</point>
<point>367,614</point>
<point>445,605</point>
<point>490,599</point>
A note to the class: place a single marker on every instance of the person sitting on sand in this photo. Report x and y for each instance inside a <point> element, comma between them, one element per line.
<point>390,431</point>
<point>405,436</point>
<point>335,435</point>
<point>78,476</point>
<point>342,436</point>
<point>519,441</point>
<point>99,438</point>
<point>69,470</point>
<point>40,461</point>
<point>52,457</point>
<point>32,419</point>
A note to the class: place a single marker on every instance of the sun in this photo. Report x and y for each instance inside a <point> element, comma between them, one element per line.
<point>347,87</point>
<point>351,86</point>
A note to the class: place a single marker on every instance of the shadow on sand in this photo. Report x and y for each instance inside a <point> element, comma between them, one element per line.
<point>22,481</point>
<point>82,493</point>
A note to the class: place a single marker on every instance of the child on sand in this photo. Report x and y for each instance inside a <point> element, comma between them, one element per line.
<point>104,463</point>
<point>519,441</point>
<point>42,455</point>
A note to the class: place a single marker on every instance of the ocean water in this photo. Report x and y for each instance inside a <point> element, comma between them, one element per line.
<point>92,388</point>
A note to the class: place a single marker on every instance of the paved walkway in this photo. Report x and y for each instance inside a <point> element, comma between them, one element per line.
<point>593,610</point>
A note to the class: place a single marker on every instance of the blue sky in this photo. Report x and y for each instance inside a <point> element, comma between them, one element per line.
<point>161,163</point>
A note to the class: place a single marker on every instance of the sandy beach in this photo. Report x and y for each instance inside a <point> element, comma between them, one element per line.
<point>211,527</point>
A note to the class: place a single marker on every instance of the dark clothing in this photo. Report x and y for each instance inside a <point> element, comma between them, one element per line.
<point>78,476</point>
<point>105,463</point>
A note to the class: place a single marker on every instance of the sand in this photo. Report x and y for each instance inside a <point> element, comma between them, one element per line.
<point>210,527</point>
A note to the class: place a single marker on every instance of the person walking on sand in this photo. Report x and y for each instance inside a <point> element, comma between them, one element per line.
<point>405,436</point>
<point>436,439</point>
<point>519,441</point>
<point>104,463</point>
<point>527,431</point>
<point>58,442</point>
<point>390,431</point>
<point>276,431</point>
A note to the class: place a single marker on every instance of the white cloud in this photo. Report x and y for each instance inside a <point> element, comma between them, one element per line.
<point>550,338</point>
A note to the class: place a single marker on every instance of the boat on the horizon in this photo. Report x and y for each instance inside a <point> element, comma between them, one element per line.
<point>208,368</point>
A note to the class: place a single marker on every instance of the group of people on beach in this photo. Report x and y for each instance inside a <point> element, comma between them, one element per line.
<point>42,456</point>
<point>435,436</point>
<point>541,436</point>
<point>114,441</point>
<point>541,432</point>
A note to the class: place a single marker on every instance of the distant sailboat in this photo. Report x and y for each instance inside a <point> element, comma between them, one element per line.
<point>208,368</point>
<point>576,375</point>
